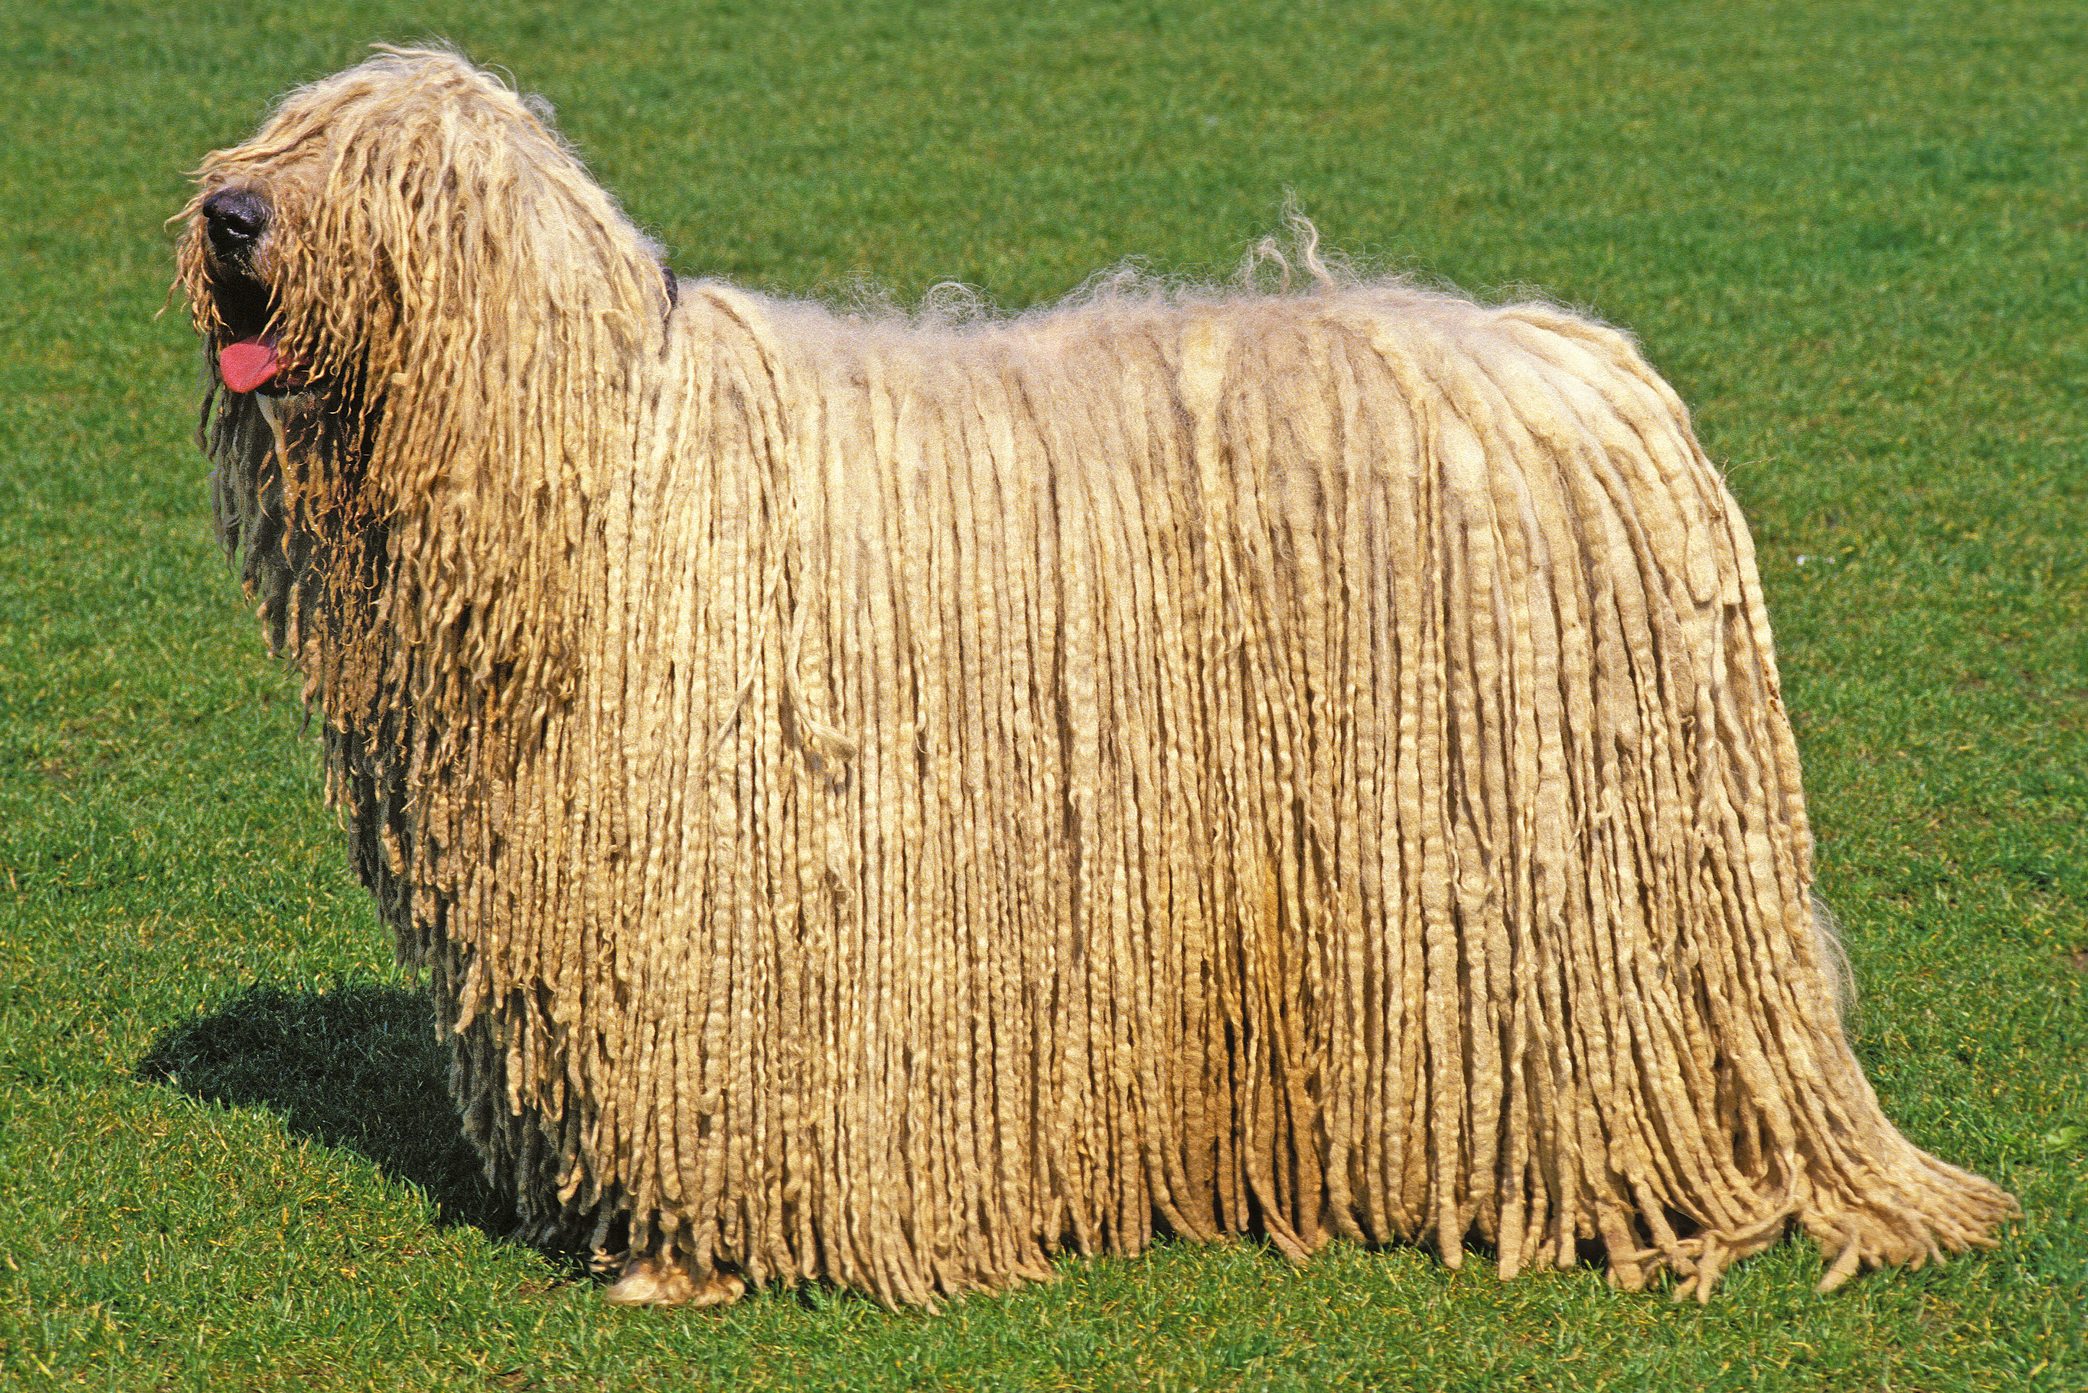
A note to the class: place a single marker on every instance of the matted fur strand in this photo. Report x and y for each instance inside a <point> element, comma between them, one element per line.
<point>889,801</point>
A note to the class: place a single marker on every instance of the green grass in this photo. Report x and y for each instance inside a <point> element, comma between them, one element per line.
<point>1856,236</point>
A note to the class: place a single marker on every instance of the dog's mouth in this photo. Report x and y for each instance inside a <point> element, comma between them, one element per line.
<point>249,359</point>
<point>250,365</point>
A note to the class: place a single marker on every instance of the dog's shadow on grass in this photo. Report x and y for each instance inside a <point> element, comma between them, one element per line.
<point>356,1067</point>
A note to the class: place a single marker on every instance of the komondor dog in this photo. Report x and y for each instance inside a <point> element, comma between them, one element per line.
<point>886,800</point>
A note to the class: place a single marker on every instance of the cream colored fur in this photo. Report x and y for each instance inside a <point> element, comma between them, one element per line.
<point>888,801</point>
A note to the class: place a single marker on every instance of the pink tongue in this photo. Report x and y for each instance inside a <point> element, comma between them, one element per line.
<point>248,364</point>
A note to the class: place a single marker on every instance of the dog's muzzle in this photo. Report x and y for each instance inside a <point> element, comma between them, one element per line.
<point>233,221</point>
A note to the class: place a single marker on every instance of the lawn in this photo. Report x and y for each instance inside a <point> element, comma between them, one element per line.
<point>1855,236</point>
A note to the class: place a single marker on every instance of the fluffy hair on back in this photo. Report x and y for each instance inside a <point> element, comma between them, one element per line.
<point>888,801</point>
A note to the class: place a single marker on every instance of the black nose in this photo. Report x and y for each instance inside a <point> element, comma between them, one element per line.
<point>233,218</point>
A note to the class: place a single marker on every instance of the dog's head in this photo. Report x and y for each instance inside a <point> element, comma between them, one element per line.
<point>391,224</point>
<point>406,284</point>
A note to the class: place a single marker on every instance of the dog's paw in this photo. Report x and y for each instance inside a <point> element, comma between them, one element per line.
<point>653,1281</point>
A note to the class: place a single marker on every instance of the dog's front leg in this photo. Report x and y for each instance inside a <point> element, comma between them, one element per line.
<point>654,1280</point>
